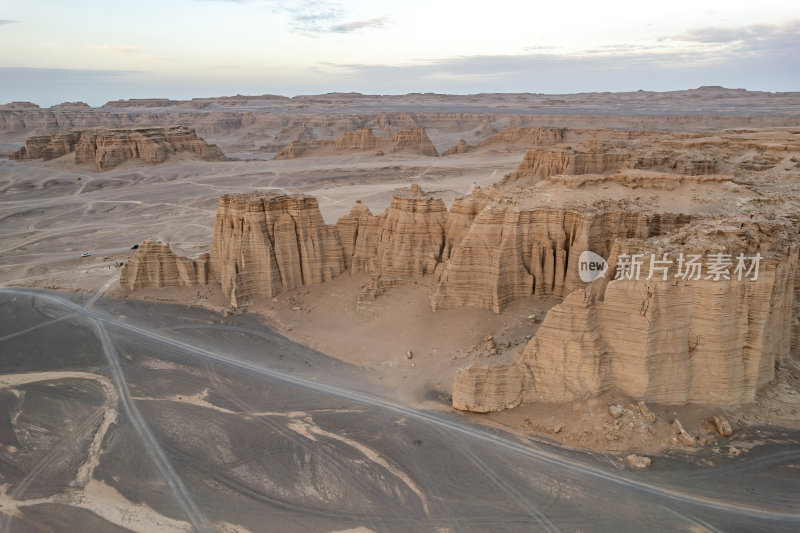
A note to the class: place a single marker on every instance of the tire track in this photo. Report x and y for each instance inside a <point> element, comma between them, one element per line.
<point>151,444</point>
<point>535,453</point>
<point>60,450</point>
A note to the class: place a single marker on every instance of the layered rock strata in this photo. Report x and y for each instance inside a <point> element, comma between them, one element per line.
<point>47,147</point>
<point>509,252</point>
<point>413,140</point>
<point>512,138</point>
<point>674,341</point>
<point>155,265</point>
<point>109,148</point>
<point>266,243</point>
<point>588,158</point>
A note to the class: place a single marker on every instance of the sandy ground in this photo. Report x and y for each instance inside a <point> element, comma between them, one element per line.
<point>197,440</point>
<point>251,425</point>
<point>51,212</point>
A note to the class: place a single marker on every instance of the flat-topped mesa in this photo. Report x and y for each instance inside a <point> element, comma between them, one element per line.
<point>264,243</point>
<point>47,147</point>
<point>141,102</point>
<point>155,265</point>
<point>413,140</point>
<point>108,148</point>
<point>674,341</point>
<point>513,138</point>
<point>589,158</point>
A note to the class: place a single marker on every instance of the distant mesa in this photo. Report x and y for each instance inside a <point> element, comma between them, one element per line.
<point>108,148</point>
<point>71,105</point>
<point>511,139</point>
<point>592,157</point>
<point>598,157</point>
<point>141,102</point>
<point>20,106</point>
<point>414,140</point>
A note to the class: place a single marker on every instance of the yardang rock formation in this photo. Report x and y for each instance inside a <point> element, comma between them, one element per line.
<point>669,341</point>
<point>413,140</point>
<point>108,148</point>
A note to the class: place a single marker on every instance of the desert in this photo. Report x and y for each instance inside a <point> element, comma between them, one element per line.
<point>434,285</point>
<point>489,306</point>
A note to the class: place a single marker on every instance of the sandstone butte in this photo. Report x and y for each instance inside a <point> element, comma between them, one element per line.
<point>672,342</point>
<point>512,138</point>
<point>108,148</point>
<point>413,140</point>
<point>596,157</point>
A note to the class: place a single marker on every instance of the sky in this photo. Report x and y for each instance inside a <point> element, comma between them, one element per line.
<point>53,51</point>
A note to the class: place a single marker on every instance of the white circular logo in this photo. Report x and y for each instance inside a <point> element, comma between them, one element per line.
<point>591,266</point>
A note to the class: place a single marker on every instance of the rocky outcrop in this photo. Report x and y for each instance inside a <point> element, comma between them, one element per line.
<point>266,243</point>
<point>589,158</point>
<point>348,228</point>
<point>679,163</point>
<point>141,102</point>
<point>362,139</point>
<point>109,148</point>
<point>71,106</point>
<point>47,147</point>
<point>486,388</point>
<point>509,252</point>
<point>413,140</point>
<point>459,148</point>
<point>514,138</point>
<point>664,339</point>
<point>410,236</point>
<point>155,265</point>
<point>673,341</point>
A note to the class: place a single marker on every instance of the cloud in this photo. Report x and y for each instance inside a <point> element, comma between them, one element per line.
<point>759,56</point>
<point>749,38</point>
<point>3,22</point>
<point>117,49</point>
<point>127,50</point>
<point>607,68</point>
<point>313,16</point>
<point>348,27</point>
<point>316,17</point>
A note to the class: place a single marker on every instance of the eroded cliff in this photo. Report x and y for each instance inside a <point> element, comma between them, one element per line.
<point>107,148</point>
<point>672,340</point>
<point>413,140</point>
<point>512,138</point>
<point>669,339</point>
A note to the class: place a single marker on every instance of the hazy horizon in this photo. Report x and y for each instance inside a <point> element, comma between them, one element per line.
<point>52,52</point>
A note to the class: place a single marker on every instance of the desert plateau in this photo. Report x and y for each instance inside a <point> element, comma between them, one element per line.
<point>559,311</point>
